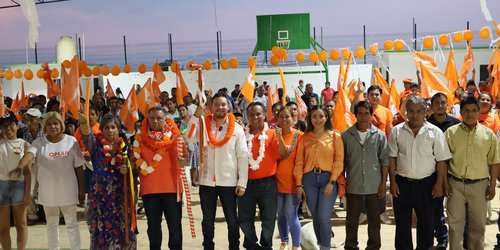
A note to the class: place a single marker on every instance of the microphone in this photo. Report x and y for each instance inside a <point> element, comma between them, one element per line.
<point>220,128</point>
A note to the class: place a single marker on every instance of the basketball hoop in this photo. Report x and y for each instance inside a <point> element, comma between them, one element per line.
<point>284,44</point>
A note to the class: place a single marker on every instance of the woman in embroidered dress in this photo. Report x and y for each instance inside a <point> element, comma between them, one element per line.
<point>106,199</point>
<point>288,202</point>
<point>193,147</point>
<point>318,164</point>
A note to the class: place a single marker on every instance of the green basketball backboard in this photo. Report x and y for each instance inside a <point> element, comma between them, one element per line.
<point>291,31</point>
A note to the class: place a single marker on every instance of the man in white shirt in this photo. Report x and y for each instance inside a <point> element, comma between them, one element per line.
<point>261,97</point>
<point>417,167</point>
<point>224,173</point>
<point>188,101</point>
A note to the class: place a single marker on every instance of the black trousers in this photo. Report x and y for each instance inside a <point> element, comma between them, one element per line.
<point>155,206</point>
<point>355,204</point>
<point>208,200</point>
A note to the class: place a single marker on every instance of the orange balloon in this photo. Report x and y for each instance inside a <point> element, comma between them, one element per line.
<point>142,68</point>
<point>428,42</point>
<point>18,74</point>
<point>334,55</point>
<point>300,57</point>
<point>224,64</point>
<point>281,53</point>
<point>66,64</point>
<point>346,53</point>
<point>28,74</point>
<point>173,67</point>
<point>484,32</point>
<point>96,71</point>
<point>274,60</point>
<point>399,44</point>
<point>468,35</point>
<point>388,45</point>
<point>87,72</point>
<point>251,61</point>
<point>275,50</point>
<point>82,64</point>
<point>323,56</point>
<point>457,37</point>
<point>207,65</point>
<point>285,58</point>
<point>233,62</point>
<point>373,48</point>
<point>40,73</point>
<point>1,71</point>
<point>443,39</point>
<point>190,65</point>
<point>115,70</point>
<point>360,52</point>
<point>105,70</point>
<point>127,68</point>
<point>313,57</point>
<point>8,74</point>
<point>54,73</point>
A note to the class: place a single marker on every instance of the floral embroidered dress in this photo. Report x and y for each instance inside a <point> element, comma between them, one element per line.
<point>105,205</point>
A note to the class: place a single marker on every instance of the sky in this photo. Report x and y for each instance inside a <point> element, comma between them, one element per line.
<point>105,22</point>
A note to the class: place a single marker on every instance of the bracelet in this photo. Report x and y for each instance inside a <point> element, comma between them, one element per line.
<point>300,186</point>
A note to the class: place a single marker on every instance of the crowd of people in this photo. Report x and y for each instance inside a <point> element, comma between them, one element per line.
<point>426,152</point>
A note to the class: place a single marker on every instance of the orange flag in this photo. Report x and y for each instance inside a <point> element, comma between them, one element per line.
<point>283,84</point>
<point>87,101</point>
<point>158,74</point>
<point>420,57</point>
<point>128,114</point>
<point>431,84</point>
<point>182,83</point>
<point>495,72</point>
<point>346,74</point>
<point>109,90</point>
<point>52,88</point>
<point>301,106</point>
<point>178,93</point>
<point>340,81</point>
<point>156,91</point>
<point>342,117</point>
<point>468,60</point>
<point>145,98</point>
<point>276,95</point>
<point>351,91</point>
<point>270,103</point>
<point>70,83</point>
<point>380,81</point>
<point>2,104</point>
<point>451,72</point>
<point>15,107</point>
<point>24,100</point>
<point>394,98</point>
<point>248,88</point>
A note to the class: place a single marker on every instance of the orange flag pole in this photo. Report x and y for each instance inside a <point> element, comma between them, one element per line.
<point>201,123</point>
<point>2,104</point>
<point>87,102</point>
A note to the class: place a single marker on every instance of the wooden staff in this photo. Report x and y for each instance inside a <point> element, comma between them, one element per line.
<point>125,209</point>
<point>201,123</point>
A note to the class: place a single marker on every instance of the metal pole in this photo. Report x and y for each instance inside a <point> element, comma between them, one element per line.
<point>125,49</point>
<point>321,27</point>
<point>218,54</point>
<point>414,34</point>
<point>314,33</point>
<point>36,53</point>
<point>467,24</point>
<point>80,47</point>
<point>364,42</point>
<point>220,42</point>
<point>170,47</point>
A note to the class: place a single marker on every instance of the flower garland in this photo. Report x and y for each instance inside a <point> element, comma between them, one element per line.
<point>227,137</point>
<point>254,163</point>
<point>160,144</point>
<point>106,148</point>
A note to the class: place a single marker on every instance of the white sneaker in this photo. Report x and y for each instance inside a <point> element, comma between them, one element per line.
<point>362,218</point>
<point>284,246</point>
<point>384,218</point>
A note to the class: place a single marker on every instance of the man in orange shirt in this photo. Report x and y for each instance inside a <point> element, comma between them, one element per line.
<point>407,84</point>
<point>160,145</point>
<point>263,154</point>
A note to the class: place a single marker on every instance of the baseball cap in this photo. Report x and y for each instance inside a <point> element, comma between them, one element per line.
<point>407,80</point>
<point>8,117</point>
<point>34,112</point>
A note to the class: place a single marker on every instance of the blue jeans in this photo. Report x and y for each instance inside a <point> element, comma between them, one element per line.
<point>440,229</point>
<point>320,206</point>
<point>288,218</point>
<point>261,192</point>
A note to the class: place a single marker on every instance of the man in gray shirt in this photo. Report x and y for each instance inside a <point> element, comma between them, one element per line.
<point>366,165</point>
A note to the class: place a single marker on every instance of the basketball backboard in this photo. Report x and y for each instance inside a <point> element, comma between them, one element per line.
<point>290,31</point>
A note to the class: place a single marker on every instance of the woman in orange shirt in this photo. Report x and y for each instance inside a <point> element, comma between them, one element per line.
<point>318,164</point>
<point>288,203</point>
<point>486,118</point>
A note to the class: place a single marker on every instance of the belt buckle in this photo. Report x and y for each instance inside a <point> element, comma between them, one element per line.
<point>317,170</point>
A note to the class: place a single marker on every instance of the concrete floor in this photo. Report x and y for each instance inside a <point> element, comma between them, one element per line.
<point>37,234</point>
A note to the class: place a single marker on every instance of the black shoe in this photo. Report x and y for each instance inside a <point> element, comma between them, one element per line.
<point>31,222</point>
<point>442,245</point>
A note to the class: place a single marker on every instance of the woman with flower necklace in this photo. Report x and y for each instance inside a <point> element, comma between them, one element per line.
<point>318,164</point>
<point>288,203</point>
<point>159,152</point>
<point>106,199</point>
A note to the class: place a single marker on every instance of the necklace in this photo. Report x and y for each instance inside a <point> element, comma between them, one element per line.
<point>160,142</point>
<point>227,137</point>
<point>117,159</point>
<point>254,163</point>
